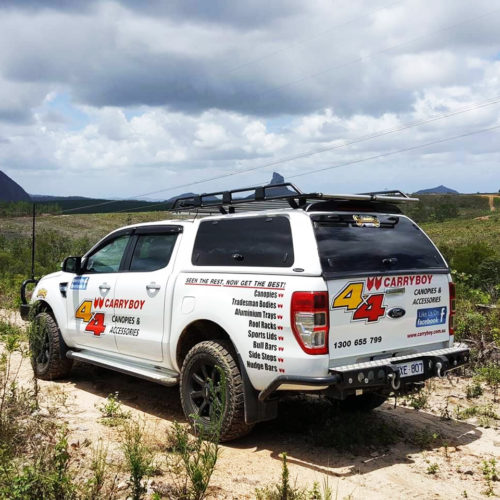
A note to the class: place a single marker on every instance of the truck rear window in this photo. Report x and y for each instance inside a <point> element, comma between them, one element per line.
<point>351,244</point>
<point>250,241</point>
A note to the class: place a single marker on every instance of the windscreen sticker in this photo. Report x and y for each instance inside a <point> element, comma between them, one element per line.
<point>79,283</point>
<point>366,221</point>
<point>364,307</point>
<point>431,316</point>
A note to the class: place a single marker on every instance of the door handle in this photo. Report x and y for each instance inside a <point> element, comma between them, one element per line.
<point>153,286</point>
<point>104,286</point>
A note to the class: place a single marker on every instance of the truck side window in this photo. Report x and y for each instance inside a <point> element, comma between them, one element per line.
<point>108,258</point>
<point>249,241</point>
<point>152,251</point>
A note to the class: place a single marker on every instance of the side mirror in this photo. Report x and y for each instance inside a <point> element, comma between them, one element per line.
<point>72,265</point>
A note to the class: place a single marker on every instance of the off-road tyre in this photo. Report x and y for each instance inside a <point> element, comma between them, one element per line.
<point>363,403</point>
<point>48,349</point>
<point>197,373</point>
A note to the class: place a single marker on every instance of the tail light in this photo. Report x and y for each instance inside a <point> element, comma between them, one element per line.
<point>453,306</point>
<point>309,311</point>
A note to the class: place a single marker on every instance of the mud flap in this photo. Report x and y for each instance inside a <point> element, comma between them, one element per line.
<point>256,410</point>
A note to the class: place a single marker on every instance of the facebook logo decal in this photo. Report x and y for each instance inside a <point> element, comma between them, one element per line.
<point>431,316</point>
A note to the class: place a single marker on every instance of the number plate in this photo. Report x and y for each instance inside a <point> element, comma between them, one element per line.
<point>411,368</point>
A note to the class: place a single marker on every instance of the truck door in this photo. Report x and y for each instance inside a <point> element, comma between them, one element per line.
<point>90,297</point>
<point>140,313</point>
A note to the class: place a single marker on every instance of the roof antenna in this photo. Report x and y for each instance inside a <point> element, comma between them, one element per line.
<point>33,236</point>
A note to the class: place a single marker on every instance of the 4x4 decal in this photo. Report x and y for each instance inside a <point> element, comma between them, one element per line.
<point>368,308</point>
<point>95,321</point>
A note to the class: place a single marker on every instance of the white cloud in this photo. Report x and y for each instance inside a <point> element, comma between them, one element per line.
<point>117,99</point>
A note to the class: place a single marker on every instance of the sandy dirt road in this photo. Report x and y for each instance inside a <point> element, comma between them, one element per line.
<point>398,470</point>
<point>491,200</point>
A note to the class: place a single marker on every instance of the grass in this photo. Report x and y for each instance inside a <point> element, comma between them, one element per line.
<point>139,458</point>
<point>98,466</point>
<point>285,490</point>
<point>92,226</point>
<point>34,458</point>
<point>192,460</point>
<point>112,413</point>
<point>490,475</point>
<point>432,469</point>
<point>476,411</point>
<point>474,390</point>
<point>419,399</point>
<point>455,233</point>
<point>424,439</point>
<point>490,373</point>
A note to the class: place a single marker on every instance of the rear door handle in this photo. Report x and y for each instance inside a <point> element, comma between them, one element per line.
<point>153,286</point>
<point>104,286</point>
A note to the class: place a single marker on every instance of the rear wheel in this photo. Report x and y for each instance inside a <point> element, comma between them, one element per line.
<point>48,349</point>
<point>212,393</point>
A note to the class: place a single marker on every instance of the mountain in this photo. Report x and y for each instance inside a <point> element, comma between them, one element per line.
<point>11,190</point>
<point>438,190</point>
<point>80,204</point>
<point>46,198</point>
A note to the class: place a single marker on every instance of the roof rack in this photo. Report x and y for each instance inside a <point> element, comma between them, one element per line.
<point>273,196</point>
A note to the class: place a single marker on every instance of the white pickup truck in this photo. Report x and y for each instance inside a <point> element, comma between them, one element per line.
<point>340,294</point>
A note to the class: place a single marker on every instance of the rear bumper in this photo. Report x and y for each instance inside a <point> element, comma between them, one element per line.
<point>379,374</point>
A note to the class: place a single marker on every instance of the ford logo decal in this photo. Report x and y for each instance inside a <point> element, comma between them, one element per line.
<point>397,312</point>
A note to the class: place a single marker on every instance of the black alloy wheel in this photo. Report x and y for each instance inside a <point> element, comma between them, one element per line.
<point>212,393</point>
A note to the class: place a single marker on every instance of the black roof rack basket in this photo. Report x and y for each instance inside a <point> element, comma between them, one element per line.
<point>273,196</point>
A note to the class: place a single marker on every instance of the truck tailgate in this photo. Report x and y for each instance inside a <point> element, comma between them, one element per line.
<point>387,314</point>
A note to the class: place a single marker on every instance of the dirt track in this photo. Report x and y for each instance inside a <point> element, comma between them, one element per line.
<point>376,471</point>
<point>491,199</point>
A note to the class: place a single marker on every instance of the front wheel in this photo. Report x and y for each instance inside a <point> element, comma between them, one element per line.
<point>211,389</point>
<point>48,349</point>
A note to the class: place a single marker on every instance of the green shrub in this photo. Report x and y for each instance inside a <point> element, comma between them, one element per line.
<point>432,468</point>
<point>489,373</point>
<point>112,412</point>
<point>468,258</point>
<point>490,474</point>
<point>192,461</point>
<point>474,390</point>
<point>284,490</point>
<point>138,458</point>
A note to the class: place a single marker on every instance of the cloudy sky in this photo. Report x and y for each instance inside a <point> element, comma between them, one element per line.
<point>128,98</point>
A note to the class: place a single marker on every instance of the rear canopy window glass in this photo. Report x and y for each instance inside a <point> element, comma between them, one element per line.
<point>252,241</point>
<point>349,245</point>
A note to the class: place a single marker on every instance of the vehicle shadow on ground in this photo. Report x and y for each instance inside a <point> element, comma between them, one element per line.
<point>312,431</point>
<point>148,397</point>
<point>317,435</point>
